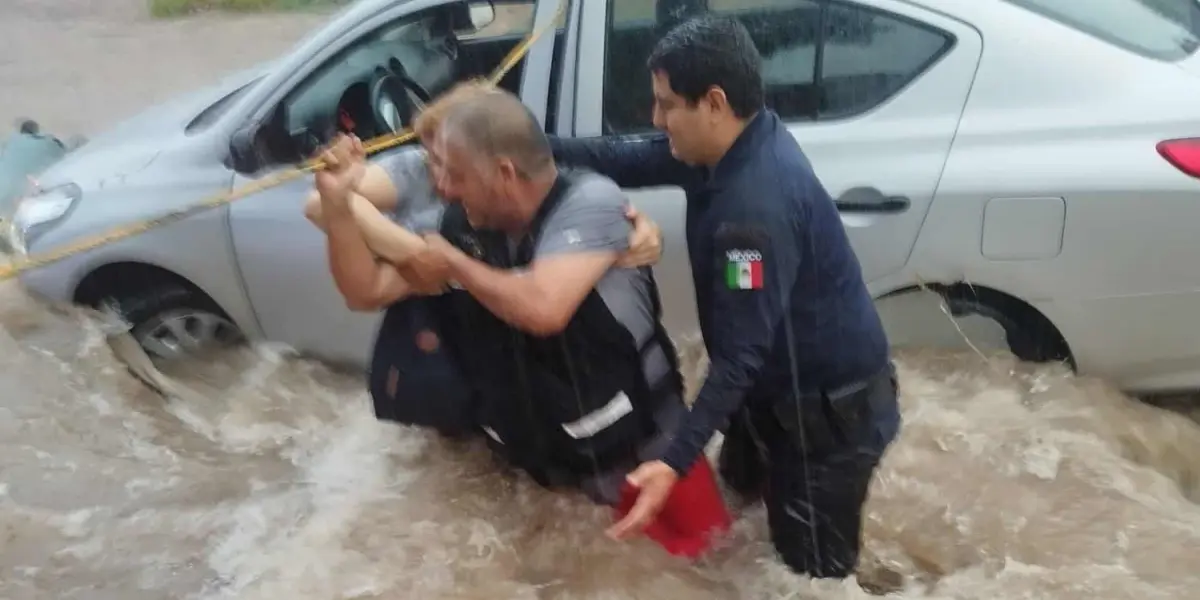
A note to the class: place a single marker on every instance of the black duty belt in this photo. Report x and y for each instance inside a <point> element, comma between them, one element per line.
<point>824,421</point>
<point>886,374</point>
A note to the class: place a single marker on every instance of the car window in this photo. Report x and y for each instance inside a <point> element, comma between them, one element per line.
<point>865,56</point>
<point>337,95</point>
<point>1161,29</point>
<point>512,21</point>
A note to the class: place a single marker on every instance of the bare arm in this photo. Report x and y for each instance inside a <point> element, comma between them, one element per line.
<point>375,188</point>
<point>383,236</point>
<point>577,245</point>
<point>366,284</point>
<point>540,300</point>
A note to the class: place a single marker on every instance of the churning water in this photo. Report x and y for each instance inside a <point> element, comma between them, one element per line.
<point>269,477</point>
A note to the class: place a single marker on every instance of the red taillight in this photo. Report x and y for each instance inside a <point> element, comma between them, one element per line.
<point>1184,154</point>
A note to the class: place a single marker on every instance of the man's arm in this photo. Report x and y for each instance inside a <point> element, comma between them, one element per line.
<point>376,188</point>
<point>383,236</point>
<point>644,161</point>
<point>579,243</point>
<point>540,300</point>
<point>756,261</point>
<point>365,283</point>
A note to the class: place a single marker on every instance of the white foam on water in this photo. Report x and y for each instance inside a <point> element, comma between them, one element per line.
<point>269,478</point>
<point>272,479</point>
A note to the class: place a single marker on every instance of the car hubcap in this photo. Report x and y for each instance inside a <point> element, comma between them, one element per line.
<point>181,333</point>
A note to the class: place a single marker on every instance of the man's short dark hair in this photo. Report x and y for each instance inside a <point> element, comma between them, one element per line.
<point>711,51</point>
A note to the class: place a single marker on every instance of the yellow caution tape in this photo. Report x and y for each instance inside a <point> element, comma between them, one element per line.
<point>372,146</point>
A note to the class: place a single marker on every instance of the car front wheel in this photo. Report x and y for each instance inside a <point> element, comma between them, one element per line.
<point>173,323</point>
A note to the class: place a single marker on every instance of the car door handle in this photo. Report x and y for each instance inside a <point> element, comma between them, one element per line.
<point>871,200</point>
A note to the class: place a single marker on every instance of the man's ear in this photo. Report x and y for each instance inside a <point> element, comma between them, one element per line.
<point>507,170</point>
<point>715,100</point>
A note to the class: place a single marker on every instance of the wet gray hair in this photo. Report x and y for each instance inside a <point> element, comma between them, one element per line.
<point>497,125</point>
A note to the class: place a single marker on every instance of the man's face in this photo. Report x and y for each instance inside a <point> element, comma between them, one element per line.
<point>688,127</point>
<point>476,182</point>
<point>435,163</point>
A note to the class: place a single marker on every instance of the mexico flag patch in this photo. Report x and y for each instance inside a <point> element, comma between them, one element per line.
<point>744,270</point>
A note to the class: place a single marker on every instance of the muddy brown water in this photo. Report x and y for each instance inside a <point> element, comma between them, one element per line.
<point>271,479</point>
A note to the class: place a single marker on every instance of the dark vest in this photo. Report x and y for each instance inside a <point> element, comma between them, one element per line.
<point>563,406</point>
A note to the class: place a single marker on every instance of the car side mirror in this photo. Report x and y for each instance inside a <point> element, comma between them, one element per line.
<point>244,156</point>
<point>261,144</point>
<point>470,16</point>
<point>482,14</point>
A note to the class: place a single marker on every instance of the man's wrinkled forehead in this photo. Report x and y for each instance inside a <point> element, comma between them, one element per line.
<point>451,141</point>
<point>448,147</point>
<point>458,148</point>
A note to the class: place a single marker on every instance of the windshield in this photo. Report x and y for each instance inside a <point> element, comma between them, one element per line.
<point>1162,29</point>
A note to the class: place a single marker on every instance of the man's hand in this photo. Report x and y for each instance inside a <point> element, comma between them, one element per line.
<point>645,243</point>
<point>654,481</point>
<point>439,246</point>
<point>427,272</point>
<point>345,165</point>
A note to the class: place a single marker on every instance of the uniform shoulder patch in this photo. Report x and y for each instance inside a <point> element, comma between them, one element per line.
<point>743,269</point>
<point>741,248</point>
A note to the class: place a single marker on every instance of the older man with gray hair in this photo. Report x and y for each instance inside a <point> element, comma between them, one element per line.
<point>589,382</point>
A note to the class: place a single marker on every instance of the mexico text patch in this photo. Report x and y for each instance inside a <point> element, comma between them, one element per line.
<point>744,269</point>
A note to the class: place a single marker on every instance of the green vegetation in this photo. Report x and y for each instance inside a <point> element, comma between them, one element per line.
<point>175,8</point>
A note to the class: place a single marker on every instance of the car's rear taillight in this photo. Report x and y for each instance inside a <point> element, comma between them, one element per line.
<point>1184,154</point>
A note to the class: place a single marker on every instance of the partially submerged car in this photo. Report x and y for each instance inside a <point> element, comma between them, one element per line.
<point>1031,165</point>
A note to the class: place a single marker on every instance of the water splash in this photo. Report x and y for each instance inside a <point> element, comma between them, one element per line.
<point>272,479</point>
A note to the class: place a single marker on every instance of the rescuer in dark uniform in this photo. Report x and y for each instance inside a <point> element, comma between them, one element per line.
<point>800,375</point>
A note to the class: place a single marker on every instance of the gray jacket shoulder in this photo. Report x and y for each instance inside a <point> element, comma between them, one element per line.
<point>593,188</point>
<point>590,217</point>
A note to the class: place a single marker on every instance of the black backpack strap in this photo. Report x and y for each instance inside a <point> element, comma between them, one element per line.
<point>562,186</point>
<point>662,339</point>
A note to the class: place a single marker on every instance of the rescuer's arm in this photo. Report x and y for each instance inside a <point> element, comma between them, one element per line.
<point>633,162</point>
<point>580,242</point>
<point>757,256</point>
<point>540,300</point>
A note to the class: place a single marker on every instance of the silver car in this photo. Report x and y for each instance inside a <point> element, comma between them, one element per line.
<point>1029,164</point>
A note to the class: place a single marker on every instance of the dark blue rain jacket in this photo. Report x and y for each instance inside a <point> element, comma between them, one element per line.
<point>783,308</point>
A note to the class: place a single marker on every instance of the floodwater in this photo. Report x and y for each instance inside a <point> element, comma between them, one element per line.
<point>269,478</point>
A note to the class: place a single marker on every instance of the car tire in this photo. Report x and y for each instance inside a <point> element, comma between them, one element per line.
<point>172,322</point>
